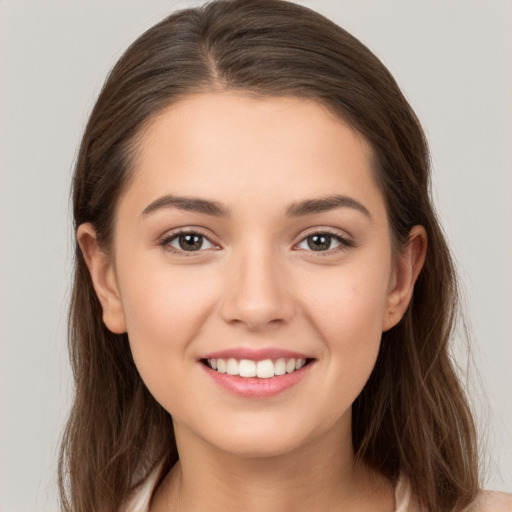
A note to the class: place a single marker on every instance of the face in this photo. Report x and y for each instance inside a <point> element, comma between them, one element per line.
<point>252,240</point>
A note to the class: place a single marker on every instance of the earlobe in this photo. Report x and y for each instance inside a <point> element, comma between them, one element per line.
<point>407,270</point>
<point>103,278</point>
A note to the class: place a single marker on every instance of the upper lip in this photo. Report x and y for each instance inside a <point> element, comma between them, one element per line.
<point>255,354</point>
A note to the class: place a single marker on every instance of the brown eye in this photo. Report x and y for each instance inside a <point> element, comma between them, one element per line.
<point>319,242</point>
<point>190,242</point>
<point>187,242</point>
<point>324,242</point>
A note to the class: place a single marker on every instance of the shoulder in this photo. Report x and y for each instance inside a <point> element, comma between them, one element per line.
<point>491,501</point>
<point>140,498</point>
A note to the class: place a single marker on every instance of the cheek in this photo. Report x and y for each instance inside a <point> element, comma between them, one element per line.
<point>165,308</point>
<point>346,311</point>
<point>347,304</point>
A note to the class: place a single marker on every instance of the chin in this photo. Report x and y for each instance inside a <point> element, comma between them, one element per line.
<point>259,446</point>
<point>260,439</point>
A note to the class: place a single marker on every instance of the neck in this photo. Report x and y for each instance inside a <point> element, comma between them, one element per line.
<point>320,475</point>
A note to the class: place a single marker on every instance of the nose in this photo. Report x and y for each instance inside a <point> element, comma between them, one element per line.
<point>257,294</point>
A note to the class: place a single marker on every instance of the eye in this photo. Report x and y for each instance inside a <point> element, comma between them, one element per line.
<point>187,241</point>
<point>323,242</point>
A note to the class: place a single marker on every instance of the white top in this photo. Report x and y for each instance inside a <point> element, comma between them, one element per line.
<point>140,502</point>
<point>487,501</point>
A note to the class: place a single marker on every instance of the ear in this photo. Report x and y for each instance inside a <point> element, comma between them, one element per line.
<point>407,269</point>
<point>103,278</point>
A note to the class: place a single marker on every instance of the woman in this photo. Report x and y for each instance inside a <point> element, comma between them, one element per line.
<point>263,297</point>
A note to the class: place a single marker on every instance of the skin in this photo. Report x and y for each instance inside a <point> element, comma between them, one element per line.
<point>256,283</point>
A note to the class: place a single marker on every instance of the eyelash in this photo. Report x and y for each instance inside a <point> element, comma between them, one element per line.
<point>344,242</point>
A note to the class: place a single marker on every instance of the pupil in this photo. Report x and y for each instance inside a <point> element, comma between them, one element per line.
<point>190,242</point>
<point>319,242</point>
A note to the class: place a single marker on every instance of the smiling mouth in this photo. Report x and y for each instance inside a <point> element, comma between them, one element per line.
<point>264,369</point>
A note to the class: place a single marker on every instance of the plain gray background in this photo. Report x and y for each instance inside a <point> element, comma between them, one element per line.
<point>453,61</point>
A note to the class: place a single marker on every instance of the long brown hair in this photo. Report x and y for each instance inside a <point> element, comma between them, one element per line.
<point>412,416</point>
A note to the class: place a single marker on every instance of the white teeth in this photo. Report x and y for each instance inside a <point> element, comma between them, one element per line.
<point>221,365</point>
<point>265,369</point>
<point>232,367</point>
<point>280,367</point>
<point>247,368</point>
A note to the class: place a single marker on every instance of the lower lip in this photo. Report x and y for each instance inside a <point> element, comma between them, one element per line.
<point>253,387</point>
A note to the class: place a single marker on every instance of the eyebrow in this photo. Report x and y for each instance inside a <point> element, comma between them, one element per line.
<point>216,209</point>
<point>324,204</point>
<point>190,204</point>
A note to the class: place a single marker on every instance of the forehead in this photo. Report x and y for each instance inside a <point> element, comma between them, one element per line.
<point>228,146</point>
